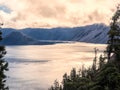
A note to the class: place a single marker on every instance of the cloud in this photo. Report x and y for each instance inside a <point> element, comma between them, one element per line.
<point>56,13</point>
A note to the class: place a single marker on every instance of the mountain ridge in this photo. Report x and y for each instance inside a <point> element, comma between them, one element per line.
<point>96,33</point>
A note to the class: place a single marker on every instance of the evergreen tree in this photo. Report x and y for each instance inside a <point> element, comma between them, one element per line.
<point>114,36</point>
<point>105,75</point>
<point>56,86</point>
<point>101,61</point>
<point>3,66</point>
<point>94,66</point>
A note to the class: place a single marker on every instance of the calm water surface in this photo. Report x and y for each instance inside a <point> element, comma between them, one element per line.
<point>36,67</point>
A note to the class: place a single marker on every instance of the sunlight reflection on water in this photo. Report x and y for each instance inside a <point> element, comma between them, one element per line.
<point>36,67</point>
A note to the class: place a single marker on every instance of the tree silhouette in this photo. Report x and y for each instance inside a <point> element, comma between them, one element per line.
<point>3,66</point>
<point>56,86</point>
<point>114,36</point>
<point>104,75</point>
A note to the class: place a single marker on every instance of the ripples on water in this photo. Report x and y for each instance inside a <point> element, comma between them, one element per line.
<point>36,67</point>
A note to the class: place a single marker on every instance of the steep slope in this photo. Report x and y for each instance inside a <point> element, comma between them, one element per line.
<point>49,34</point>
<point>17,38</point>
<point>96,33</point>
<point>7,31</point>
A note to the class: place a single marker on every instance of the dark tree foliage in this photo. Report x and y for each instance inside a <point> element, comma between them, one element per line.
<point>114,36</point>
<point>102,76</point>
<point>56,86</point>
<point>3,66</point>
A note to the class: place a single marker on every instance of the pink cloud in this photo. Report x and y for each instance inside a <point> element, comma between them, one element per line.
<point>56,13</point>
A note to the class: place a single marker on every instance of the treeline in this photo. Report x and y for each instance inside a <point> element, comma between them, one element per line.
<point>3,65</point>
<point>84,79</point>
<point>102,76</point>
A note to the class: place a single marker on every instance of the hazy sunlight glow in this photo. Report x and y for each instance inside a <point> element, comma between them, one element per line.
<point>56,13</point>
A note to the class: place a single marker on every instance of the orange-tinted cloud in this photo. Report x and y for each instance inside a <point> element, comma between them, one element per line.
<point>56,13</point>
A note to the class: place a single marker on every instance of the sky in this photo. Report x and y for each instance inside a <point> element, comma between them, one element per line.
<point>55,13</point>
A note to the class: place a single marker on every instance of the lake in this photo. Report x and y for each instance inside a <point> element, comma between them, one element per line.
<point>36,67</point>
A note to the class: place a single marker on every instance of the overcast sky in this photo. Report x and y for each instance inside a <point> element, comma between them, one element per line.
<point>55,13</point>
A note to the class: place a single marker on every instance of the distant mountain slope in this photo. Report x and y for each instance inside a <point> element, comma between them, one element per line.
<point>96,33</point>
<point>17,38</point>
<point>7,31</point>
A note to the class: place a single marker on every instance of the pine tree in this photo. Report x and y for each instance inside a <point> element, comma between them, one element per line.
<point>73,74</point>
<point>105,75</point>
<point>3,66</point>
<point>101,61</point>
<point>114,36</point>
<point>94,66</point>
<point>56,86</point>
